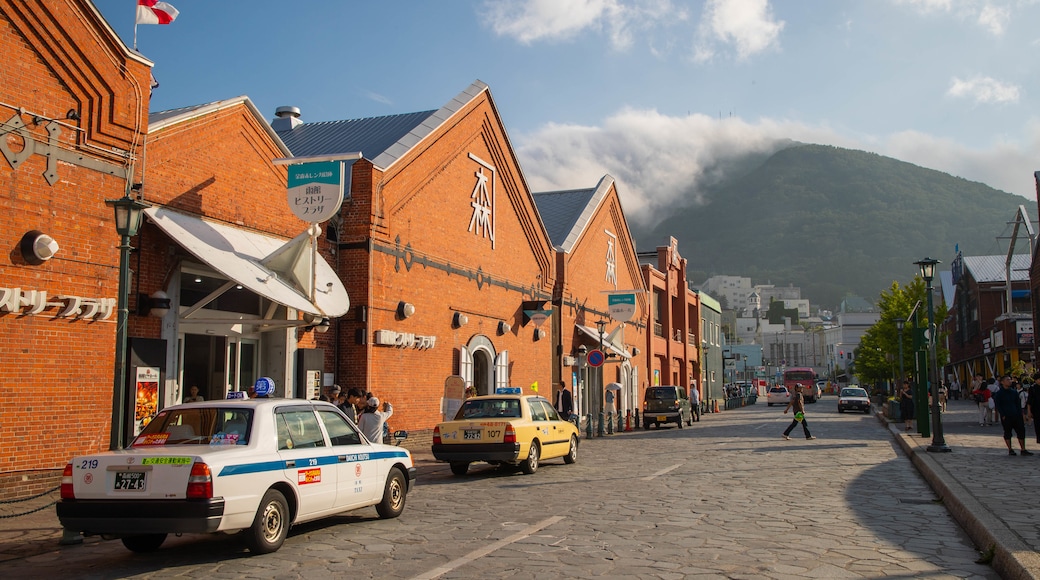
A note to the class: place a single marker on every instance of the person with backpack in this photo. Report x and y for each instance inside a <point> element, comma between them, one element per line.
<point>981,395</point>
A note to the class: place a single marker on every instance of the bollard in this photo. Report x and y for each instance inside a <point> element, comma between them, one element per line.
<point>588,427</point>
<point>628,421</point>
<point>610,425</point>
<point>620,423</point>
<point>716,406</point>
<point>599,425</point>
<point>636,420</point>
<point>70,537</point>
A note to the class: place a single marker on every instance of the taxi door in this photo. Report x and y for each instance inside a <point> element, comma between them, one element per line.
<point>309,464</point>
<point>555,443</point>
<point>360,482</point>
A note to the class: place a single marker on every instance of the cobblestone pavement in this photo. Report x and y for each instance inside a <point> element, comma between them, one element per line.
<point>727,498</point>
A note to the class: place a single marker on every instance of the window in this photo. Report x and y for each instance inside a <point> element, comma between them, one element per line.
<point>537,411</point>
<point>298,429</point>
<point>340,432</point>
<point>488,408</point>
<point>198,426</point>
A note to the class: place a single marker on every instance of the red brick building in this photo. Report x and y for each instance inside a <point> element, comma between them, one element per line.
<point>73,108</point>
<point>595,259</point>
<point>441,248</point>
<point>673,345</point>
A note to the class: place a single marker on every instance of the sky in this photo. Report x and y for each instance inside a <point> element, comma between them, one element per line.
<point>655,93</point>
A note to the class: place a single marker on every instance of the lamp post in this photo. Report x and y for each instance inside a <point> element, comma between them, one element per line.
<point>900,323</point>
<point>927,266</point>
<point>128,220</point>
<point>744,376</point>
<point>600,324</point>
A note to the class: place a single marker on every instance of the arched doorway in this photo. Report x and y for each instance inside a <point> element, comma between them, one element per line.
<point>482,372</point>
<point>482,367</point>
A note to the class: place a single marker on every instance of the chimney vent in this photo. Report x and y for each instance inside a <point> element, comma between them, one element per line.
<point>288,118</point>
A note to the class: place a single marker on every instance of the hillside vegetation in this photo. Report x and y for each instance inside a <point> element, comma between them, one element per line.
<point>835,221</point>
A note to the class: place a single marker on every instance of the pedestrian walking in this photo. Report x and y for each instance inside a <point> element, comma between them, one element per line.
<point>564,401</point>
<point>1033,405</point>
<point>906,405</point>
<point>797,403</point>
<point>981,396</point>
<point>695,401</point>
<point>372,420</point>
<point>955,388</point>
<point>609,411</point>
<point>994,416</point>
<point>1009,405</point>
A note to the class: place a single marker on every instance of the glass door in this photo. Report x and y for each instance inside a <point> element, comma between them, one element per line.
<point>242,363</point>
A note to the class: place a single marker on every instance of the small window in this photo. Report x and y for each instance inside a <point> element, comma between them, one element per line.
<point>302,429</point>
<point>340,432</point>
<point>537,411</point>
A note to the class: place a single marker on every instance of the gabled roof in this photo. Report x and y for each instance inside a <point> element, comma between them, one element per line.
<point>567,213</point>
<point>161,119</point>
<point>990,269</point>
<point>381,140</point>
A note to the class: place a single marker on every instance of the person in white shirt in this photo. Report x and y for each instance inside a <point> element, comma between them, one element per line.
<point>695,401</point>
<point>372,420</point>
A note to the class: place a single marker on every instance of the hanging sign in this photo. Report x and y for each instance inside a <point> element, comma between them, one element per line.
<point>316,190</point>
<point>622,306</point>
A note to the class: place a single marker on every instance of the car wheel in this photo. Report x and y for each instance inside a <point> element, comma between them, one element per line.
<point>459,467</point>
<point>144,543</point>
<point>530,465</point>
<point>572,453</point>
<point>646,425</point>
<point>271,524</point>
<point>394,495</point>
<point>866,411</point>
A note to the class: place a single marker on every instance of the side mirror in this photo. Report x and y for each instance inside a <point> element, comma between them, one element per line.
<point>400,436</point>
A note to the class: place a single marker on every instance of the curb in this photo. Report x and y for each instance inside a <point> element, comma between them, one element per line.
<point>1012,558</point>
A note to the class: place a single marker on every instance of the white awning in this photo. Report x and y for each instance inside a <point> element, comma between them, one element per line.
<point>277,269</point>
<point>607,343</point>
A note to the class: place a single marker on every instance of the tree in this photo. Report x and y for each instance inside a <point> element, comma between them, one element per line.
<point>878,354</point>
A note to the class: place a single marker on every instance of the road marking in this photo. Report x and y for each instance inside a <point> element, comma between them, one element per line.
<point>662,472</point>
<point>475,554</point>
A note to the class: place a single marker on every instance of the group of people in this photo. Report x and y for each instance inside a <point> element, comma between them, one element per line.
<point>1011,402</point>
<point>364,409</point>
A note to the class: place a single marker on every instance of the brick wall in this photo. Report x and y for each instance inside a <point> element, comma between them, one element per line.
<point>56,374</point>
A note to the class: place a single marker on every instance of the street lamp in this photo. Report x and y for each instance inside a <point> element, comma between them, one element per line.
<point>129,212</point>
<point>927,266</point>
<point>900,324</point>
<point>600,325</point>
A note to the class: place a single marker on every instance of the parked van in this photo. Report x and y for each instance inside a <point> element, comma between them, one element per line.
<point>666,404</point>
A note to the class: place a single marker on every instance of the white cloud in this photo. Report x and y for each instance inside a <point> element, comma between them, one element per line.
<point>994,18</point>
<point>991,16</point>
<point>748,26</point>
<point>530,21</point>
<point>374,96</point>
<point>661,161</point>
<point>985,90</point>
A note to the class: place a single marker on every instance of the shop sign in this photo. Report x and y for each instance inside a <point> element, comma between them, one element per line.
<point>32,302</point>
<point>1024,329</point>
<point>404,340</point>
<point>622,307</point>
<point>316,190</point>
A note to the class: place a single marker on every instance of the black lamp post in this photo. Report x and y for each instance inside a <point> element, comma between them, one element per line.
<point>129,212</point>
<point>938,445</point>
<point>900,324</point>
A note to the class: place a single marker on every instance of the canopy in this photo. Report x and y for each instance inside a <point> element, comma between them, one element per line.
<point>607,343</point>
<point>283,271</point>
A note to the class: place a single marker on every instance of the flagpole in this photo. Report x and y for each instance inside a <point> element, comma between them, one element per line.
<point>135,33</point>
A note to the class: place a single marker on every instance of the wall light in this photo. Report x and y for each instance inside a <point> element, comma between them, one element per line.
<point>503,327</point>
<point>323,326</point>
<point>458,320</point>
<point>37,247</point>
<point>539,333</point>
<point>156,304</point>
<point>405,309</point>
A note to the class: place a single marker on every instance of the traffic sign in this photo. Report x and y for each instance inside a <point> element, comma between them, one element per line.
<point>596,358</point>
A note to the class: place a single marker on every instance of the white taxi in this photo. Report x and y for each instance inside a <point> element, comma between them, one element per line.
<point>258,465</point>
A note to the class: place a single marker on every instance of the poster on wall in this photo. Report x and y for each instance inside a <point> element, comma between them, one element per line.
<point>146,399</point>
<point>657,377</point>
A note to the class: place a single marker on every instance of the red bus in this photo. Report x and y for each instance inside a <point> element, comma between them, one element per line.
<point>804,376</point>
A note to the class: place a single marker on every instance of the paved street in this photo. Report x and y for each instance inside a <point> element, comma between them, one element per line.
<point>726,498</point>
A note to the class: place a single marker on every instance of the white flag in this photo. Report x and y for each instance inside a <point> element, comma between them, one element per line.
<point>155,12</point>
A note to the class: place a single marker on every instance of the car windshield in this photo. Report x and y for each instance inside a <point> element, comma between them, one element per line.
<point>778,390</point>
<point>657,394</point>
<point>853,393</point>
<point>197,426</point>
<point>488,408</point>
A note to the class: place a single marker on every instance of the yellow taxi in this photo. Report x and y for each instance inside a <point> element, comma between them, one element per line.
<point>505,430</point>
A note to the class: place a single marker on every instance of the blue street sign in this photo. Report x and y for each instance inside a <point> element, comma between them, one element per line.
<point>596,358</point>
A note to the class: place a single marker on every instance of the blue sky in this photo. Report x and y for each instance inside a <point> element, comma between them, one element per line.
<point>653,92</point>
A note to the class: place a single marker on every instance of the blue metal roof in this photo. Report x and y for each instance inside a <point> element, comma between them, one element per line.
<point>560,210</point>
<point>370,137</point>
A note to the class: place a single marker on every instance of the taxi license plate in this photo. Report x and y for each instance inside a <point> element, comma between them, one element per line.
<point>129,481</point>
<point>662,418</point>
<point>471,434</point>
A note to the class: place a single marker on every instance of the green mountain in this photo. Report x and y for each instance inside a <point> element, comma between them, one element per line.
<point>835,221</point>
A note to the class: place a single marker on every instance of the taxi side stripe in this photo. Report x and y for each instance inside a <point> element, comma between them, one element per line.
<point>304,462</point>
